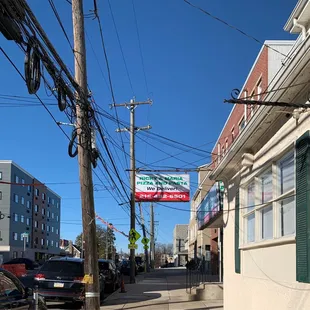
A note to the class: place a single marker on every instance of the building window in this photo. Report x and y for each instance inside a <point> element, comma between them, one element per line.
<point>57,205</point>
<point>57,231</point>
<point>22,199</point>
<point>56,244</point>
<point>47,228</point>
<point>43,196</point>
<point>42,241</point>
<point>23,182</point>
<point>48,213</point>
<point>233,134</point>
<point>28,204</point>
<point>36,208</point>
<point>270,201</point>
<point>43,211</point>
<point>15,236</point>
<point>0,175</point>
<point>15,217</point>
<point>57,218</point>
<point>15,254</point>
<point>49,199</point>
<point>52,229</point>
<point>241,124</point>
<point>16,198</point>
<point>52,242</point>
<point>36,191</point>
<point>286,177</point>
<point>43,226</point>
<point>16,179</point>
<point>28,221</point>
<point>22,218</point>
<point>259,89</point>
<point>0,195</point>
<point>53,201</point>
<point>36,240</point>
<point>52,215</point>
<point>47,242</point>
<point>36,224</point>
<point>29,188</point>
<point>219,152</point>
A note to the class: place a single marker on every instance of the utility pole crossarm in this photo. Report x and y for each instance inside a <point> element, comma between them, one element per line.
<point>130,104</point>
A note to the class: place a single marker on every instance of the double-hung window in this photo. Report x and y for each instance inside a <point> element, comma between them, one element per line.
<point>269,202</point>
<point>266,213</point>
<point>286,181</point>
<point>250,212</point>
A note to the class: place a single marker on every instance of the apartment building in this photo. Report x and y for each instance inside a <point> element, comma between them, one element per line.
<point>265,166</point>
<point>31,224</point>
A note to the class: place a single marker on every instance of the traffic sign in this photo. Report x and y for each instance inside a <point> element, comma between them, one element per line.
<point>25,235</point>
<point>145,241</point>
<point>132,246</point>
<point>134,236</point>
<point>146,247</point>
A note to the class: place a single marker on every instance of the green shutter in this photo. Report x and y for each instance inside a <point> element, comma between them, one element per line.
<point>302,211</point>
<point>237,251</point>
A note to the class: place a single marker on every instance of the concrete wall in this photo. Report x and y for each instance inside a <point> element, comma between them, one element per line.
<point>268,268</point>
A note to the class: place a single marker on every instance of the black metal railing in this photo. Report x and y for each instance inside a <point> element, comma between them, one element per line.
<point>198,272</point>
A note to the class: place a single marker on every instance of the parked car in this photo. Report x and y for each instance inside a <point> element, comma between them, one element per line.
<point>111,273</point>
<point>125,267</point>
<point>29,264</point>
<point>14,295</point>
<point>61,279</point>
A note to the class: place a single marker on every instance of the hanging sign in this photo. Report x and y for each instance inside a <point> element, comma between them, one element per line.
<point>162,187</point>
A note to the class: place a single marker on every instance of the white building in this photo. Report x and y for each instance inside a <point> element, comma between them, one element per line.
<point>266,171</point>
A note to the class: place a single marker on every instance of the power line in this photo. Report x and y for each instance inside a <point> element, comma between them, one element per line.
<point>48,111</point>
<point>140,48</point>
<point>109,74</point>
<point>233,27</point>
<point>121,48</point>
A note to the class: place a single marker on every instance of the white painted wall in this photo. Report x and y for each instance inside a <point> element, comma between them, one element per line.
<point>268,273</point>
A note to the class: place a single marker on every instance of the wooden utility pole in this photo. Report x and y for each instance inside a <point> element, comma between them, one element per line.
<point>92,290</point>
<point>146,253</point>
<point>132,129</point>
<point>152,241</point>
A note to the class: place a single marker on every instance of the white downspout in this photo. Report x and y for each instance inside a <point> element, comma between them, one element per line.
<point>302,27</point>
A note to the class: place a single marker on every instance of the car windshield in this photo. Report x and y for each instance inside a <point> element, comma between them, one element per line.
<point>73,268</point>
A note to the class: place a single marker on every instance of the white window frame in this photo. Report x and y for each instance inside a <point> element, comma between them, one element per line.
<point>275,202</point>
<point>22,218</point>
<point>16,200</point>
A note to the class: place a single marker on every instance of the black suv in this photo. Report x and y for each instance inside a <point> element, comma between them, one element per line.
<point>61,279</point>
<point>111,273</point>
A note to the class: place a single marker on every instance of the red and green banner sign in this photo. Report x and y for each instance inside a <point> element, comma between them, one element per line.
<point>162,187</point>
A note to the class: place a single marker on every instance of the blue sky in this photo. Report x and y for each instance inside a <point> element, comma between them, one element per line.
<point>191,62</point>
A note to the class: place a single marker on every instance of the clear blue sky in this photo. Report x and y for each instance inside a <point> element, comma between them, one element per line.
<point>192,62</point>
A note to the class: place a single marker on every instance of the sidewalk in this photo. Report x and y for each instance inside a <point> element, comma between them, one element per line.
<point>160,289</point>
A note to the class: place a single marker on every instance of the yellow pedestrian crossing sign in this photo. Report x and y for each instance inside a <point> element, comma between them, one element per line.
<point>146,247</point>
<point>145,241</point>
<point>134,236</point>
<point>132,246</point>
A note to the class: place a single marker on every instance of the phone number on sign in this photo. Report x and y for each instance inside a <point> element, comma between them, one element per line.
<point>162,196</point>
